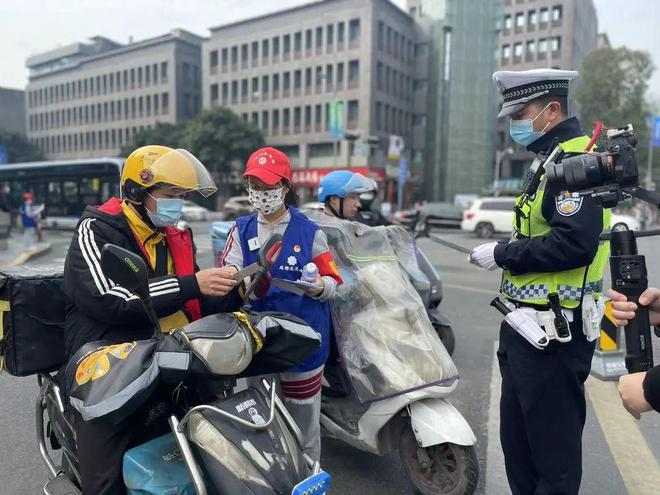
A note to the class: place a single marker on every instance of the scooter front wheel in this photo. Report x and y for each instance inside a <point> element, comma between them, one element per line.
<point>445,469</point>
<point>446,334</point>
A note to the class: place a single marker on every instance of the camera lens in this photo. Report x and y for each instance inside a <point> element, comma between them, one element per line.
<point>578,173</point>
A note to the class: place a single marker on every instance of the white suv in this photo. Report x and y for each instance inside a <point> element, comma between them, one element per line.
<point>488,216</point>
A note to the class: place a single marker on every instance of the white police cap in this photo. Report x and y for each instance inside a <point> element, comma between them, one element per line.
<point>520,87</point>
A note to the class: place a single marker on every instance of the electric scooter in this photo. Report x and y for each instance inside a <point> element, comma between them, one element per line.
<point>243,443</point>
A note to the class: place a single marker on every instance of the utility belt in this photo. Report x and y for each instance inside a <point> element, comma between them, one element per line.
<point>541,324</point>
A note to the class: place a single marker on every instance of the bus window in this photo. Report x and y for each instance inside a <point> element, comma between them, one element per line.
<point>90,188</point>
<point>71,199</point>
<point>54,203</point>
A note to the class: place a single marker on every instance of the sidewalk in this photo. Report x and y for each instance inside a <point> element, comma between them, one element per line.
<point>16,254</point>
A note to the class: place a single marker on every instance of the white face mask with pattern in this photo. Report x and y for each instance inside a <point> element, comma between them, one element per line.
<point>267,201</point>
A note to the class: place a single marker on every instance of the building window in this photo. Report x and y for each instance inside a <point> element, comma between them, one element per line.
<point>244,90</point>
<point>329,78</point>
<point>340,35</point>
<point>276,48</point>
<point>297,120</point>
<point>329,35</point>
<point>556,13</point>
<point>255,53</point>
<point>276,86</point>
<point>234,92</point>
<point>297,82</point>
<point>353,74</point>
<point>264,121</point>
<point>308,40</point>
<point>531,49</point>
<point>265,45</point>
<point>319,78</point>
<point>276,121</point>
<point>225,94</point>
<point>319,39</point>
<point>224,57</point>
<point>555,44</point>
<point>213,61</point>
<point>308,80</point>
<point>353,113</point>
<point>286,120</point>
<point>506,51</point>
<point>354,33</point>
<point>244,55</point>
<point>340,75</point>
<point>520,20</point>
<point>545,16</point>
<point>531,18</point>
<point>518,50</point>
<point>234,57</point>
<point>214,94</point>
<point>264,87</point>
<point>286,46</point>
<point>163,72</point>
<point>507,22</point>
<point>147,105</point>
<point>308,118</point>
<point>388,40</point>
<point>543,46</point>
<point>255,88</point>
<point>297,43</point>
<point>286,84</point>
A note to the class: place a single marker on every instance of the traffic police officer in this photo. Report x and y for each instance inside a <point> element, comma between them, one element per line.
<point>555,248</point>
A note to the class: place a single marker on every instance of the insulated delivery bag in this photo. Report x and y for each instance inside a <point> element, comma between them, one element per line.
<point>32,308</point>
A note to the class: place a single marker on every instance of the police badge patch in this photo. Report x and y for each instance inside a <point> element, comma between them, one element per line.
<point>568,203</point>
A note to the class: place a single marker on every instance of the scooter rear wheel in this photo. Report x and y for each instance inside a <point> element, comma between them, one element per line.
<point>445,469</point>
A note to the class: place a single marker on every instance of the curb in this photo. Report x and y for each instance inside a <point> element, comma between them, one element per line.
<point>30,254</point>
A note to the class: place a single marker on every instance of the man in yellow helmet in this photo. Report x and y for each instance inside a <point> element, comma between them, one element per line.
<point>155,179</point>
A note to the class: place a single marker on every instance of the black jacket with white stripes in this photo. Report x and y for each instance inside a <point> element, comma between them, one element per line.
<point>101,310</point>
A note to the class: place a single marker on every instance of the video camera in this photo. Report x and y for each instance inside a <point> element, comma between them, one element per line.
<point>612,177</point>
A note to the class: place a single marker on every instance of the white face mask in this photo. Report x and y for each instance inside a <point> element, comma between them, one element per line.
<point>267,201</point>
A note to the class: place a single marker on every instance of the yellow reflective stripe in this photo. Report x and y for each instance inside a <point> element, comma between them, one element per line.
<point>243,318</point>
<point>4,307</point>
<point>608,330</point>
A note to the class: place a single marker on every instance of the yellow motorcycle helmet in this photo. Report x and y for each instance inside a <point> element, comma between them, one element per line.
<point>159,166</point>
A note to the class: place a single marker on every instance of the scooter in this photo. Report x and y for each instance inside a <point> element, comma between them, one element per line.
<point>243,443</point>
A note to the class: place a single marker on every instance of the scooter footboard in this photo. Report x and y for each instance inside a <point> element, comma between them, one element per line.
<point>436,421</point>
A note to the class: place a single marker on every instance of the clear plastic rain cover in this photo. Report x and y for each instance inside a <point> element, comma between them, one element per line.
<point>387,343</point>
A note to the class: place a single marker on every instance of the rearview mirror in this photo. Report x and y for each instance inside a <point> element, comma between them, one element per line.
<point>126,269</point>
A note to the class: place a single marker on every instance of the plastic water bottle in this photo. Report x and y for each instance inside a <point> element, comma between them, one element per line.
<point>309,273</point>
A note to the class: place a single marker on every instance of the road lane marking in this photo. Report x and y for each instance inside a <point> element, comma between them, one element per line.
<point>635,461</point>
<point>471,289</point>
<point>496,482</point>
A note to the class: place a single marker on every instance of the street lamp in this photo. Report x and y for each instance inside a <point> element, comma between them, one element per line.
<point>499,156</point>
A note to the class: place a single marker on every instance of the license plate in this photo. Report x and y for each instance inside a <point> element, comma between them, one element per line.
<point>319,484</point>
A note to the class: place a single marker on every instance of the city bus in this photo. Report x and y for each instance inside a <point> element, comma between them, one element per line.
<point>64,187</point>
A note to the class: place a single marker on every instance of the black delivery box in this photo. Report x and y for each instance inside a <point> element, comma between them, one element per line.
<point>32,307</point>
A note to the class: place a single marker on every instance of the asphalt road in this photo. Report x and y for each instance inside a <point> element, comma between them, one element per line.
<point>620,454</point>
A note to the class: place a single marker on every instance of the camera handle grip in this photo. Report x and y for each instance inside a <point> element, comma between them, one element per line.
<point>639,350</point>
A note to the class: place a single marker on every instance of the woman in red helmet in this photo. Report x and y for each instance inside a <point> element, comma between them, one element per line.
<point>268,175</point>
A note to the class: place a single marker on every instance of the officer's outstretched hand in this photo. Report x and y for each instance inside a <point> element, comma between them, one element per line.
<point>484,256</point>
<point>216,281</point>
<point>624,311</point>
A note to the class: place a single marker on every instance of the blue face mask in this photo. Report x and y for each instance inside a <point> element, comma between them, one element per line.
<point>168,212</point>
<point>522,131</point>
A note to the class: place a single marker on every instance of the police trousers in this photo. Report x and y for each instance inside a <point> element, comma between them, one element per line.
<point>542,412</point>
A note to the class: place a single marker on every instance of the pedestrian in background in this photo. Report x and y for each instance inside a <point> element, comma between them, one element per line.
<point>29,216</point>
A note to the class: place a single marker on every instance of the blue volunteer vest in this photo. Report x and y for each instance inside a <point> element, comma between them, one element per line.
<point>28,221</point>
<point>296,252</point>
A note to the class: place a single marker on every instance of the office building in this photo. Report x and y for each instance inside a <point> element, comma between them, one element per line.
<point>89,99</point>
<point>12,110</point>
<point>283,70</point>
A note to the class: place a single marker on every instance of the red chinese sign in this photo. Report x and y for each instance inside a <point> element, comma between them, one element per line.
<point>311,177</point>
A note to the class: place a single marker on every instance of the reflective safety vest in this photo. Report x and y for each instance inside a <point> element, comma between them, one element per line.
<point>570,285</point>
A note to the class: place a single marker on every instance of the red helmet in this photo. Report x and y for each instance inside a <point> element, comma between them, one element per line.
<point>27,195</point>
<point>270,165</point>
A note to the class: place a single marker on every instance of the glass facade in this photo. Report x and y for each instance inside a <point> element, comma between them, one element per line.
<point>462,97</point>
